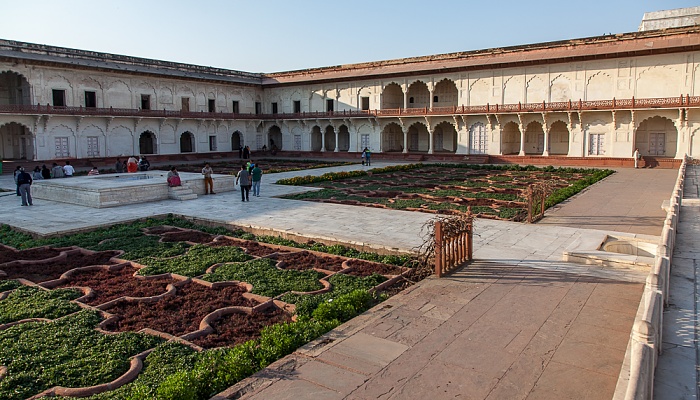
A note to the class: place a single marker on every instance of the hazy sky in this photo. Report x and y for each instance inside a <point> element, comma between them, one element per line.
<point>280,35</point>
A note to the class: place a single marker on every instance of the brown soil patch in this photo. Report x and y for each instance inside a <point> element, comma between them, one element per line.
<point>305,260</point>
<point>7,255</point>
<point>254,248</point>
<point>179,314</point>
<point>366,268</point>
<point>188,236</point>
<point>36,272</point>
<point>234,329</point>
<point>159,230</point>
<point>110,285</point>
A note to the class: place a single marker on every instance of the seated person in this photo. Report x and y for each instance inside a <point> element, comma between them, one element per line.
<point>93,171</point>
<point>174,178</point>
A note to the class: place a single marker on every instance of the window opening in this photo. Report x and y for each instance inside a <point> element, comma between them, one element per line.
<point>329,105</point>
<point>145,101</point>
<point>59,97</point>
<point>297,106</point>
<point>90,99</point>
<point>274,108</point>
<point>258,107</point>
<point>364,103</point>
<point>212,105</point>
<point>236,106</point>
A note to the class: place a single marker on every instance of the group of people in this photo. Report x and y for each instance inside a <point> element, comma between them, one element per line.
<point>132,165</point>
<point>249,177</point>
<point>244,152</point>
<point>24,180</point>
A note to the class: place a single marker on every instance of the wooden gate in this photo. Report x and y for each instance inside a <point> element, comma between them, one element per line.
<point>453,243</point>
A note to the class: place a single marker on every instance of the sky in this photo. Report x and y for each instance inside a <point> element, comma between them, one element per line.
<point>283,35</point>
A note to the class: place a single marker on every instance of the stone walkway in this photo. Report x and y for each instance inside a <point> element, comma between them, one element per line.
<point>519,323</point>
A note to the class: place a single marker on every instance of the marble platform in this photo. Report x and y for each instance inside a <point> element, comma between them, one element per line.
<point>114,190</point>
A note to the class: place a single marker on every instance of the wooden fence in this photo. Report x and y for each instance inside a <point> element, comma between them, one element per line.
<point>453,243</point>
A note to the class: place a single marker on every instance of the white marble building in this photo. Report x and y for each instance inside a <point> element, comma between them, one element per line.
<point>590,97</point>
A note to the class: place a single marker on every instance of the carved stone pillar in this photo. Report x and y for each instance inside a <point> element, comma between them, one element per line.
<point>545,152</point>
<point>522,140</point>
<point>405,140</point>
<point>336,141</point>
<point>323,141</point>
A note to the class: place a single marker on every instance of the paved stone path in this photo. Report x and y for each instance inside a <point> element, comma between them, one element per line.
<point>520,323</point>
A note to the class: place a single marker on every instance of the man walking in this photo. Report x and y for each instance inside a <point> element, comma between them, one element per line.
<point>637,156</point>
<point>57,171</point>
<point>24,181</point>
<point>256,175</point>
<point>244,178</point>
<point>208,181</point>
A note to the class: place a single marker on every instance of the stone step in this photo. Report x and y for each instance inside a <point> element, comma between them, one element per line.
<point>190,196</point>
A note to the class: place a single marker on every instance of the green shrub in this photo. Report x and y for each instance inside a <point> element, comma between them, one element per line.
<point>195,262</point>
<point>30,302</point>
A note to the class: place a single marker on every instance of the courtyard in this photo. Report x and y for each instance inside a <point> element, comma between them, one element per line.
<point>518,291</point>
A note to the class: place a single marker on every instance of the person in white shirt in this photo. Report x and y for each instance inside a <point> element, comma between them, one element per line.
<point>637,156</point>
<point>68,169</point>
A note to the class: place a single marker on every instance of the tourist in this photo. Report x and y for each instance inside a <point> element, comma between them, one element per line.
<point>45,172</point>
<point>256,175</point>
<point>18,170</point>
<point>365,156</point>
<point>144,165</point>
<point>173,177</point>
<point>244,178</point>
<point>37,173</point>
<point>240,151</point>
<point>131,165</point>
<point>637,156</point>
<point>24,183</point>
<point>68,170</point>
<point>94,171</point>
<point>246,152</point>
<point>118,167</point>
<point>249,165</point>
<point>208,181</point>
<point>57,171</point>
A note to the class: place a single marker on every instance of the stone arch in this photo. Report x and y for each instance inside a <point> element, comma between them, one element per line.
<point>656,136</point>
<point>187,142</point>
<point>392,138</point>
<point>535,90</point>
<point>274,135</point>
<point>147,143</point>
<point>444,138</point>
<point>513,90</point>
<point>118,95</point>
<point>559,138</point>
<point>478,139</point>
<point>599,87</point>
<point>316,138</point>
<point>392,96</point>
<point>343,138</point>
<point>510,138</point>
<point>418,95</point>
<point>560,89</point>
<point>237,140</point>
<point>120,141</point>
<point>418,137</point>
<point>446,94</point>
<point>16,141</point>
<point>659,81</point>
<point>479,92</point>
<point>14,89</point>
<point>534,138</point>
<point>329,136</point>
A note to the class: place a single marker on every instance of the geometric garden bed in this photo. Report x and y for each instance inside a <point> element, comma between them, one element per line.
<point>102,314</point>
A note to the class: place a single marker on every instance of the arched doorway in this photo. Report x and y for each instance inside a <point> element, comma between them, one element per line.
<point>275,137</point>
<point>392,138</point>
<point>478,139</point>
<point>534,138</point>
<point>316,140</point>
<point>418,95</point>
<point>236,140</point>
<point>343,138</point>
<point>656,136</point>
<point>147,143</point>
<point>445,94</point>
<point>187,142</point>
<point>510,139</point>
<point>329,137</point>
<point>444,138</point>
<point>16,142</point>
<point>418,137</point>
<point>14,89</point>
<point>559,139</point>
<point>392,96</point>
